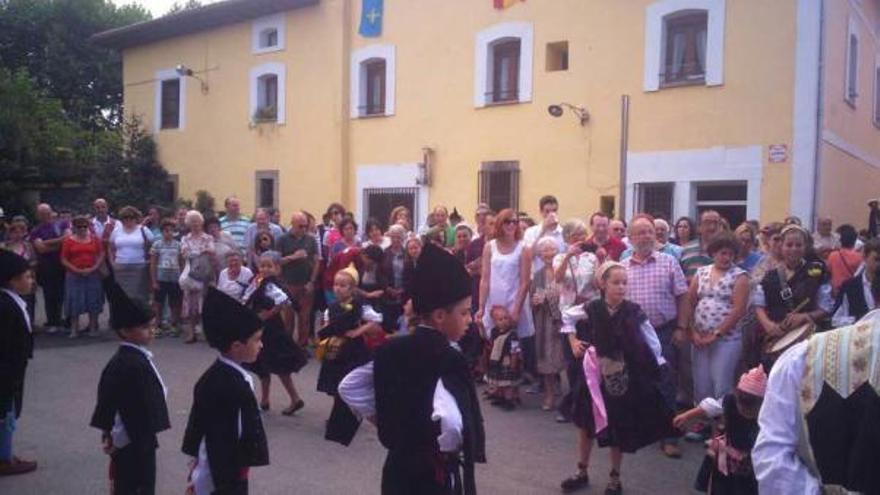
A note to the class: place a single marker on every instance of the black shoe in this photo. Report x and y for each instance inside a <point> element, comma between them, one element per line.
<point>294,408</point>
<point>614,486</point>
<point>577,481</point>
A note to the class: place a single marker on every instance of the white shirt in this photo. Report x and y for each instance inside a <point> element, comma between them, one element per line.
<point>118,432</point>
<point>842,316</point>
<point>574,314</point>
<point>201,479</point>
<point>358,391</point>
<point>778,468</point>
<point>22,305</point>
<point>99,226</point>
<point>130,245</point>
<point>234,288</point>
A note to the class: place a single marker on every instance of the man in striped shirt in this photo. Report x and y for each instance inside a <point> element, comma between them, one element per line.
<point>693,254</point>
<point>233,223</point>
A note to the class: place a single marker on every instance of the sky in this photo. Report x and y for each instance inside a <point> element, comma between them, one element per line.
<point>156,7</point>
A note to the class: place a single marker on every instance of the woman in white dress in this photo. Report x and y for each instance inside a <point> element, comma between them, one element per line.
<point>507,269</point>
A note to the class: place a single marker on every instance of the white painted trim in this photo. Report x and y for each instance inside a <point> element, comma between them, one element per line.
<point>166,75</point>
<point>876,77</point>
<point>390,175</point>
<point>852,30</point>
<point>687,168</point>
<point>277,22</point>
<point>850,149</point>
<point>358,91</point>
<point>655,38</point>
<point>268,68</point>
<point>482,80</point>
<point>806,110</point>
<point>872,30</point>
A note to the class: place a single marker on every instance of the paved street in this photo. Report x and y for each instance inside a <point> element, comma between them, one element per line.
<point>528,452</point>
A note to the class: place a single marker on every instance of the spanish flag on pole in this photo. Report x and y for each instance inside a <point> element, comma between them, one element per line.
<point>503,4</point>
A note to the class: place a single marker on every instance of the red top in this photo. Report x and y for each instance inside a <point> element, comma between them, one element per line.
<point>843,264</point>
<point>614,247</point>
<point>81,254</point>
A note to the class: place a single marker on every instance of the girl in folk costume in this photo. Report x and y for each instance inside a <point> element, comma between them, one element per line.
<point>727,469</point>
<point>280,355</point>
<point>617,398</point>
<point>16,349</point>
<point>505,360</point>
<point>131,407</point>
<point>224,432</point>
<point>343,347</point>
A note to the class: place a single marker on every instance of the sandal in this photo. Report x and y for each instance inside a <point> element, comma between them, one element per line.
<point>614,486</point>
<point>577,481</point>
<point>294,408</point>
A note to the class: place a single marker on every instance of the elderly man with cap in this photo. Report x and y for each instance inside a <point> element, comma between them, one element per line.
<point>820,421</point>
<point>420,380</point>
<point>225,433</point>
<point>16,349</point>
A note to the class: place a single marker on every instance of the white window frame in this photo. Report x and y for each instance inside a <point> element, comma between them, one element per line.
<point>483,58</point>
<point>259,26</point>
<point>875,116</point>
<point>655,39</point>
<point>358,90</point>
<point>167,75</point>
<point>267,174</point>
<point>280,71</point>
<point>851,32</point>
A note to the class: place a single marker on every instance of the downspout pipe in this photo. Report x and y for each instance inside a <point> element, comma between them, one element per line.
<point>820,113</point>
<point>624,150</point>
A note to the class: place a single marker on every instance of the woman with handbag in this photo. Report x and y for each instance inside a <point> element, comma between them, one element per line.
<point>129,249</point>
<point>197,248</point>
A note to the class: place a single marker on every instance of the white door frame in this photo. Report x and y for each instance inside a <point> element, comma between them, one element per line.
<point>391,175</point>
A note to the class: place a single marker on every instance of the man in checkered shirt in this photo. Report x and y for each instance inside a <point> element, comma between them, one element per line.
<point>656,283</point>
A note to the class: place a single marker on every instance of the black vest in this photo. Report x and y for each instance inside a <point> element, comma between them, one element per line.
<point>854,292</point>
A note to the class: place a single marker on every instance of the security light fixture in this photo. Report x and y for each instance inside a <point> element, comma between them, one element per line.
<point>184,71</point>
<point>579,112</point>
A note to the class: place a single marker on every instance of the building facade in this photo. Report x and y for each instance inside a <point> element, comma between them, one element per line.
<point>757,109</point>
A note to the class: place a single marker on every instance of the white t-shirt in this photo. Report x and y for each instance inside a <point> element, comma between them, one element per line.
<point>130,245</point>
<point>234,288</point>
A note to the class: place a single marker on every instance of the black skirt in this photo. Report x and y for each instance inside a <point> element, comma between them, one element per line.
<point>280,354</point>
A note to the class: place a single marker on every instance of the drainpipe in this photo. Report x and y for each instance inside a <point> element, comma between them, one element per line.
<point>820,111</point>
<point>345,195</point>
<point>624,149</point>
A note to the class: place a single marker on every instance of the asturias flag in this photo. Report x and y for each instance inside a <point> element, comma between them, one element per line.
<point>371,18</point>
<point>503,4</point>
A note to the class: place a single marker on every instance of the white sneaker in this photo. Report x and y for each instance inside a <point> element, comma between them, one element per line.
<point>52,330</point>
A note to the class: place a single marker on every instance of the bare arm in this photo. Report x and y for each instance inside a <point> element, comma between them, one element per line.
<point>525,276</point>
<point>740,305</point>
<point>154,279</point>
<point>484,281</point>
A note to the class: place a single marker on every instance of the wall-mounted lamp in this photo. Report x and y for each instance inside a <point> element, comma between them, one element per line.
<point>184,71</point>
<point>424,176</point>
<point>579,112</point>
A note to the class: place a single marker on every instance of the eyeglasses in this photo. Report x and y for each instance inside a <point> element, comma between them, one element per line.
<point>510,221</point>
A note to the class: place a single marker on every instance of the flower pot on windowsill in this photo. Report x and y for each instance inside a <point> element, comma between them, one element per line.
<point>265,115</point>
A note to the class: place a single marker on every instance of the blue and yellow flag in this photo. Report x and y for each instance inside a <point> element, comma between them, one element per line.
<point>371,18</point>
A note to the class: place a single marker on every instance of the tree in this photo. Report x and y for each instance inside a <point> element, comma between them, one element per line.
<point>188,5</point>
<point>51,40</point>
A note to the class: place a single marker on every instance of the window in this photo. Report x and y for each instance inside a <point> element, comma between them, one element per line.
<point>655,199</point>
<point>267,90</point>
<point>685,51</point>
<point>504,58</point>
<point>269,38</point>
<point>267,188</point>
<point>727,198</point>
<point>372,81</point>
<point>499,185</point>
<point>267,34</point>
<point>557,56</point>
<point>170,106</point>
<point>381,200</point>
<point>375,97</point>
<point>267,98</point>
<point>505,71</point>
<point>852,68</point>
<point>684,43</point>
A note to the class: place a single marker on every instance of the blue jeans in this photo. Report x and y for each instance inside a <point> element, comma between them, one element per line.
<point>6,430</point>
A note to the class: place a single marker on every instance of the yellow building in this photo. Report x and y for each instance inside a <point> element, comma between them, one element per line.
<point>757,108</point>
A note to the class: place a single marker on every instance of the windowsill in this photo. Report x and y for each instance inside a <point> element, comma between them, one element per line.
<point>257,123</point>
<point>681,84</point>
<point>851,102</point>
<point>501,103</point>
<point>163,129</point>
<point>268,49</point>
<point>373,115</point>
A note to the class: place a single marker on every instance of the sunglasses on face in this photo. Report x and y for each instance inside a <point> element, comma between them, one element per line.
<point>510,221</point>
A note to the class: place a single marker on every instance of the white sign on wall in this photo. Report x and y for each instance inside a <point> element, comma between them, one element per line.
<point>777,153</point>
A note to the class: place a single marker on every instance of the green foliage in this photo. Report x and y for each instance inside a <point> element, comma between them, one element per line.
<point>188,5</point>
<point>205,203</point>
<point>51,40</point>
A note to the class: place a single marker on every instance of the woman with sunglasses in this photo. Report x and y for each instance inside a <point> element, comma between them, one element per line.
<point>81,255</point>
<point>506,273</point>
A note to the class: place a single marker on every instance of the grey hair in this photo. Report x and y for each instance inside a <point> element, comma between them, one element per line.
<point>193,215</point>
<point>660,221</point>
<point>572,227</point>
<point>544,242</point>
<point>397,229</point>
<point>273,256</point>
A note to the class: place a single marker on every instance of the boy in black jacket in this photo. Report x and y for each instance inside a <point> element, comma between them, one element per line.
<point>131,406</point>
<point>224,432</point>
<point>16,348</point>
